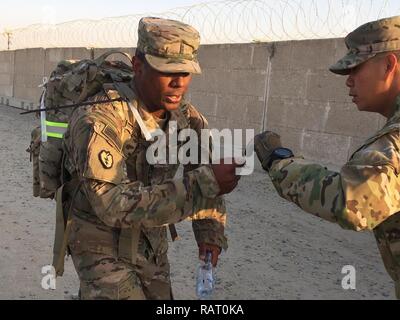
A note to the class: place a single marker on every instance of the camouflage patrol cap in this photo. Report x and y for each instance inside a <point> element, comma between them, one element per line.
<point>367,41</point>
<point>168,45</point>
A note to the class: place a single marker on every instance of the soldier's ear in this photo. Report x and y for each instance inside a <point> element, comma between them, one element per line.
<point>392,63</point>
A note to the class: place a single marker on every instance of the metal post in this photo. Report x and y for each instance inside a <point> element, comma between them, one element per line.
<point>8,34</point>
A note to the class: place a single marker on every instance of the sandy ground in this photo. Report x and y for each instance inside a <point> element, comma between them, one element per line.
<point>276,251</point>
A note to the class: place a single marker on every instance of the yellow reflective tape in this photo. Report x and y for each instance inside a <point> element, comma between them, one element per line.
<point>55,135</point>
<point>57,124</point>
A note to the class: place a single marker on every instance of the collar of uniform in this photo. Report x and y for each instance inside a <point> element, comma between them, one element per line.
<point>148,119</point>
<point>395,118</point>
<point>179,115</point>
<point>152,122</point>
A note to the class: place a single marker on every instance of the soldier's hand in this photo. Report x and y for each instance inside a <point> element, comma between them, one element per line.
<point>214,249</point>
<point>226,175</point>
<point>264,144</point>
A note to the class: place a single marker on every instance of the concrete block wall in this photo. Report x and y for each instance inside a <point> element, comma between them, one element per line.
<point>6,73</point>
<point>231,90</point>
<point>283,86</point>
<point>22,71</point>
<point>29,73</point>
<point>310,107</point>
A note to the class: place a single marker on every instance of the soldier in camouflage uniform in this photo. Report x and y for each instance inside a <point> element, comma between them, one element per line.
<point>365,194</point>
<point>118,206</point>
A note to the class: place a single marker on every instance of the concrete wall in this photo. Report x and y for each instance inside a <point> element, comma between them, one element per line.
<point>310,107</point>
<point>231,91</point>
<point>22,71</point>
<point>7,73</point>
<point>29,72</point>
<point>283,86</point>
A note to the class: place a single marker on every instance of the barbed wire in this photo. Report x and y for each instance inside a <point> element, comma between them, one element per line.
<point>226,21</point>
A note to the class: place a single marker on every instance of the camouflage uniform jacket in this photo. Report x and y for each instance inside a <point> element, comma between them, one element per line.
<point>364,195</point>
<point>105,151</point>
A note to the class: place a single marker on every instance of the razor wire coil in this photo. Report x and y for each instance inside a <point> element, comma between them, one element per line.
<point>228,21</point>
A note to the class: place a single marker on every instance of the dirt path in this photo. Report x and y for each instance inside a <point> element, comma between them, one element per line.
<point>276,251</point>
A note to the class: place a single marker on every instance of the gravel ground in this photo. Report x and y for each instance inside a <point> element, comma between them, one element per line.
<point>276,251</point>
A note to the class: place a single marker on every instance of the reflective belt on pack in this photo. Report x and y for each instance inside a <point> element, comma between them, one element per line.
<point>50,128</point>
<point>56,129</point>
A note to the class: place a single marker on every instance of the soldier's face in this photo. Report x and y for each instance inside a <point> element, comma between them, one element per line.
<point>369,84</point>
<point>160,90</point>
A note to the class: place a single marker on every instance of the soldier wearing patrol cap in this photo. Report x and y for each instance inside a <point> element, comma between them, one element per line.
<point>365,194</point>
<point>118,205</point>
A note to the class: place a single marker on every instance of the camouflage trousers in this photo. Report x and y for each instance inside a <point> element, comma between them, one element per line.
<point>106,276</point>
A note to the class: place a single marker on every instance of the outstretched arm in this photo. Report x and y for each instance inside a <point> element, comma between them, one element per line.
<point>362,195</point>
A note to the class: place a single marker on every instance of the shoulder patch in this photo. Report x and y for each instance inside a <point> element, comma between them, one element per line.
<point>109,134</point>
<point>106,159</point>
<point>104,162</point>
<point>113,137</point>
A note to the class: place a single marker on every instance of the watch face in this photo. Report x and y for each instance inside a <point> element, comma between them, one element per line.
<point>283,153</point>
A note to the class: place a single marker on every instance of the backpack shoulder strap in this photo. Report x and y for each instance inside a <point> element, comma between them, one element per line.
<point>130,96</point>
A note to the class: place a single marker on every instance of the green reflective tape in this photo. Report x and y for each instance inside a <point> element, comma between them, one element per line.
<point>55,135</point>
<point>57,124</point>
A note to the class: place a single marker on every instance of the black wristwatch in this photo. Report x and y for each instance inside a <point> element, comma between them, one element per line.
<point>279,153</point>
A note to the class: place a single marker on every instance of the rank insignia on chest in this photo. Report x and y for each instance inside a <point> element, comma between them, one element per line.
<point>106,159</point>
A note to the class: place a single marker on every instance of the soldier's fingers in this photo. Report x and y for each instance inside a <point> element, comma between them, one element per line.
<point>215,255</point>
<point>202,252</point>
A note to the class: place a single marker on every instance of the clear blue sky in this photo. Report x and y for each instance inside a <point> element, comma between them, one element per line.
<point>21,13</point>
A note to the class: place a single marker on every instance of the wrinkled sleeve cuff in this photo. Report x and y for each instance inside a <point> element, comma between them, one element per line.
<point>210,231</point>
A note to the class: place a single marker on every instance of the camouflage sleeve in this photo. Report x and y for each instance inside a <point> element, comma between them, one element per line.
<point>122,205</point>
<point>208,223</point>
<point>312,187</point>
<point>361,196</point>
<point>119,203</point>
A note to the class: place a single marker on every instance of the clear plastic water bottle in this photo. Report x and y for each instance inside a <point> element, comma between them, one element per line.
<point>205,278</point>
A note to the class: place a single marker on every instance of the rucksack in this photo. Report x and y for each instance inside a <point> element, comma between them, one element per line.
<point>72,82</point>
